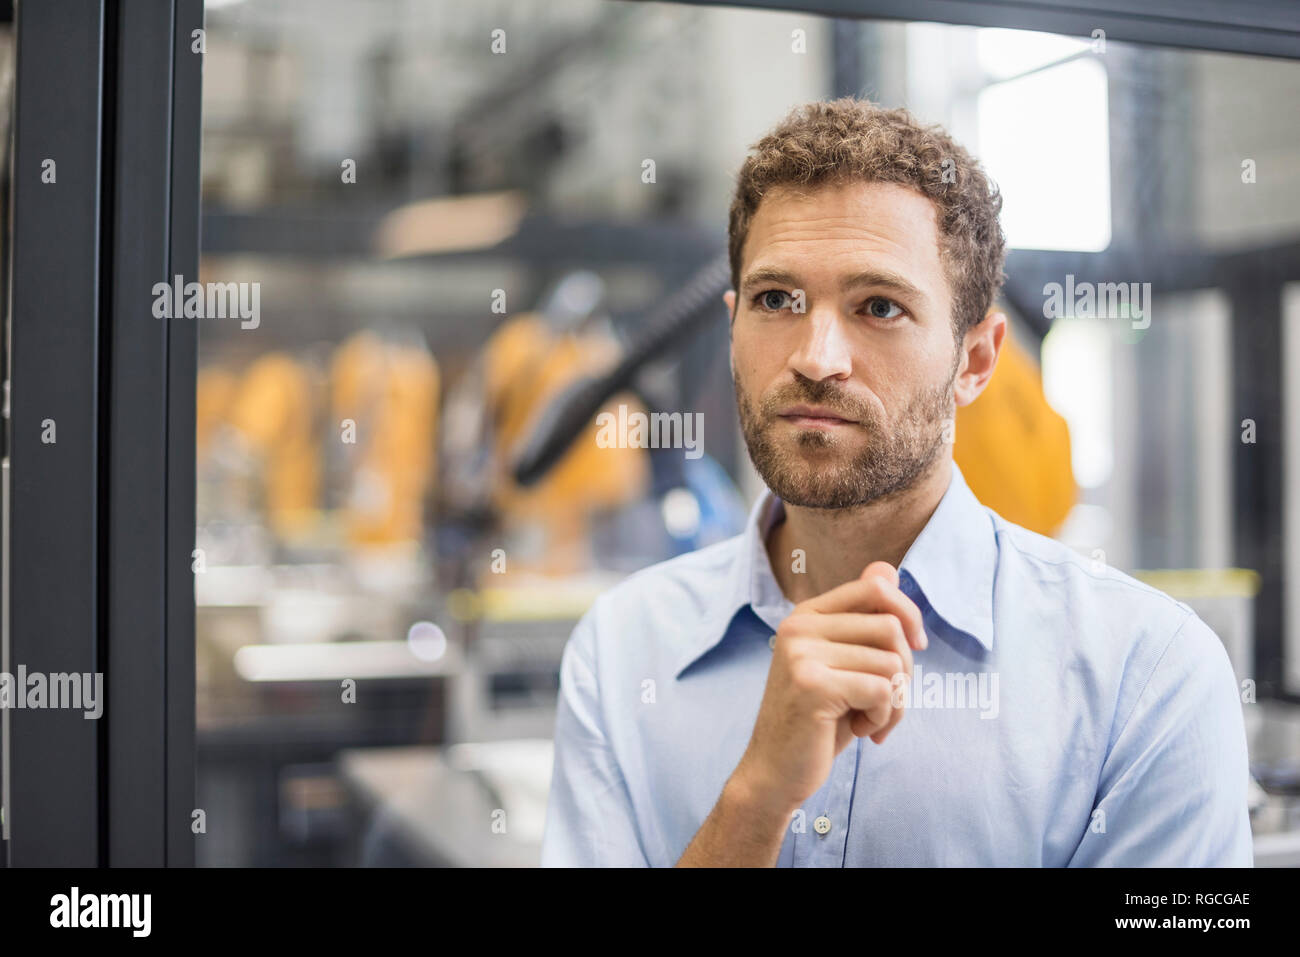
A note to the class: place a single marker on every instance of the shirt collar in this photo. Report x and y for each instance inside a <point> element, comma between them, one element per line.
<point>953,560</point>
<point>950,566</point>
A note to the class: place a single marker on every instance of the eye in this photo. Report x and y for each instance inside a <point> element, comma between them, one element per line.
<point>771,300</point>
<point>882,308</point>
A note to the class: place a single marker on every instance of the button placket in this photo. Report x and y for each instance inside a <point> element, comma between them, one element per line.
<point>824,845</point>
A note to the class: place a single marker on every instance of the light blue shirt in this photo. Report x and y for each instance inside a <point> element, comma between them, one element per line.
<point>1064,714</point>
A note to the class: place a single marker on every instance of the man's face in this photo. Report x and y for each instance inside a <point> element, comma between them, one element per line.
<point>851,399</point>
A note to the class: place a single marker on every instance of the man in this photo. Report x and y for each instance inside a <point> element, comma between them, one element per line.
<point>880,671</point>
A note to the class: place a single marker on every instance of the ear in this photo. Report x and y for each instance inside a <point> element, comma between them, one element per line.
<point>729,297</point>
<point>981,346</point>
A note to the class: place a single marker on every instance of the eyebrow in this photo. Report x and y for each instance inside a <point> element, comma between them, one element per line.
<point>880,278</point>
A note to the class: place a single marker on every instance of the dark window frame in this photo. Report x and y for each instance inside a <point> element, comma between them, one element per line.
<point>100,577</point>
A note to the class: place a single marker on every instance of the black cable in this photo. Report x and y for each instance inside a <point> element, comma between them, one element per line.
<point>669,327</point>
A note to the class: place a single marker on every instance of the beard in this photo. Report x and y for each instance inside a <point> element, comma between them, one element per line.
<point>816,468</point>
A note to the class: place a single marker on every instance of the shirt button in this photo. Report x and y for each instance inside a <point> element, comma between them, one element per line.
<point>771,642</point>
<point>822,825</point>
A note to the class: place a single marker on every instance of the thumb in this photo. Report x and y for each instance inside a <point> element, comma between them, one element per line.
<point>882,570</point>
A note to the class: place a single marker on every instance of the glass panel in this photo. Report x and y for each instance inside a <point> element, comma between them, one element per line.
<point>438,216</point>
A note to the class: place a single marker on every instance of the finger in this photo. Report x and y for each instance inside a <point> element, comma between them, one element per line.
<point>853,633</point>
<point>844,732</point>
<point>898,699</point>
<point>879,736</point>
<point>859,724</point>
<point>867,661</point>
<point>870,594</point>
<point>891,574</point>
<point>862,727</point>
<point>881,570</point>
<point>870,694</point>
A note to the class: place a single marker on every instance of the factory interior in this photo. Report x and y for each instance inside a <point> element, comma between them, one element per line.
<point>469,218</point>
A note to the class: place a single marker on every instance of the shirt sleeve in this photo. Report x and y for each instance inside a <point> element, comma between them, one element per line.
<point>590,821</point>
<point>1173,789</point>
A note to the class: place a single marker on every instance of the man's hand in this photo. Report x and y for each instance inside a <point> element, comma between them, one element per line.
<point>831,679</point>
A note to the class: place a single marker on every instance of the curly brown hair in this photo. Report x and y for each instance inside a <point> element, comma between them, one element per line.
<point>847,140</point>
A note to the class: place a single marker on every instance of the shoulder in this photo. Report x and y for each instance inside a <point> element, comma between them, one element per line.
<point>659,608</point>
<point>1109,620</point>
<point>1082,585</point>
<point>694,577</point>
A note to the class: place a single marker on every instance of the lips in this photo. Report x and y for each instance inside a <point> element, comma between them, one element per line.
<point>814,415</point>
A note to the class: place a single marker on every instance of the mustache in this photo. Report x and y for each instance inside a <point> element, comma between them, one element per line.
<point>813,392</point>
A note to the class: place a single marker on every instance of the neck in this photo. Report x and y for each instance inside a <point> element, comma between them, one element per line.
<point>838,544</point>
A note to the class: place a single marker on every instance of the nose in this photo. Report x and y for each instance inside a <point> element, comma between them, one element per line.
<point>824,348</point>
